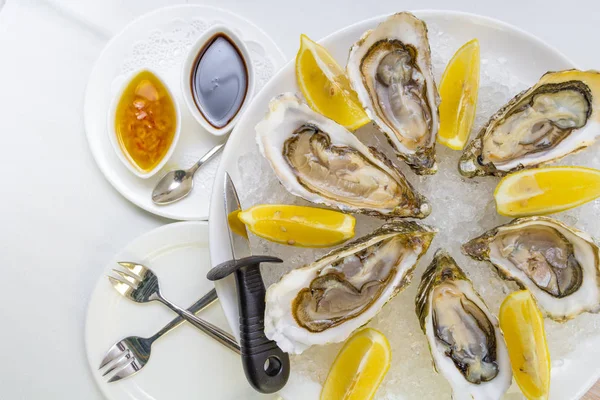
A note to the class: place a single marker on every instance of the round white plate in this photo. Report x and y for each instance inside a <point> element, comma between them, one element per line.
<point>522,57</point>
<point>185,364</point>
<point>160,40</point>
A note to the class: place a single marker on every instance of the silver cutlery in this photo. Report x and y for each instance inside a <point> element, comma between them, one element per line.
<point>131,354</point>
<point>140,284</point>
<point>177,184</point>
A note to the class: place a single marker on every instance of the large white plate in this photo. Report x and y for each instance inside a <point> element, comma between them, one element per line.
<point>160,40</point>
<point>525,57</point>
<point>185,364</point>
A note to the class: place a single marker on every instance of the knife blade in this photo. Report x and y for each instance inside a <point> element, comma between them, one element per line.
<point>240,246</point>
<point>266,366</point>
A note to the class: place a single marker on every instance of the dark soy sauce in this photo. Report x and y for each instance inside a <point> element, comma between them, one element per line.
<point>219,80</point>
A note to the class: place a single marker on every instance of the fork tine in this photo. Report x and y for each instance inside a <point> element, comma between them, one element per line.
<point>133,279</point>
<point>136,268</point>
<point>120,363</point>
<point>113,353</point>
<point>126,371</point>
<point>117,281</point>
<point>122,287</point>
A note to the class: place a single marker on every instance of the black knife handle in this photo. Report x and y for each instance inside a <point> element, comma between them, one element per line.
<point>229,267</point>
<point>266,366</point>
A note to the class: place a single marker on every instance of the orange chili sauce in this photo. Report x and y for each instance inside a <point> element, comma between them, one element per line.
<point>145,121</point>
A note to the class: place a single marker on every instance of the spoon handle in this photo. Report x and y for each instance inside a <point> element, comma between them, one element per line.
<point>206,157</point>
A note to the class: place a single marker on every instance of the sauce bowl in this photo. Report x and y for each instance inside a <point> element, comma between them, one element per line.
<point>112,131</point>
<point>188,77</point>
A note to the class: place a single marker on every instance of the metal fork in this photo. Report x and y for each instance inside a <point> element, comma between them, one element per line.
<point>135,351</point>
<point>140,284</point>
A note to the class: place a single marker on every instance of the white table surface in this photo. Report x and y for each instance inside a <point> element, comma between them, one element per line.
<point>61,221</point>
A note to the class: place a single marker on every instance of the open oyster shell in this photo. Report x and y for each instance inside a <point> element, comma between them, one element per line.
<point>557,116</point>
<point>319,160</point>
<point>464,338</point>
<point>557,263</point>
<point>390,70</point>
<point>324,302</point>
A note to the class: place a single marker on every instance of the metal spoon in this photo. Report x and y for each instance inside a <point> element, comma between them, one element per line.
<point>177,184</point>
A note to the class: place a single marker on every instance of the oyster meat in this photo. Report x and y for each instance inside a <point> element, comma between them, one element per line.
<point>319,160</point>
<point>464,338</point>
<point>390,70</point>
<point>557,263</point>
<point>557,116</point>
<point>324,302</point>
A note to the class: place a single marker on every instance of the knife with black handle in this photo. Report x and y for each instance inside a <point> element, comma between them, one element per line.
<point>266,366</point>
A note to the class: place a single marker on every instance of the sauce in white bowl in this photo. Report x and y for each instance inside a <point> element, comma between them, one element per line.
<point>217,80</point>
<point>144,123</point>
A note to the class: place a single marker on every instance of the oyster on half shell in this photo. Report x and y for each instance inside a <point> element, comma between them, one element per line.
<point>557,116</point>
<point>390,70</point>
<point>325,301</point>
<point>464,338</point>
<point>319,160</point>
<point>556,263</point>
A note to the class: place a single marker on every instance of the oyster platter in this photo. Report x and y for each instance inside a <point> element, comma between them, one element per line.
<point>434,212</point>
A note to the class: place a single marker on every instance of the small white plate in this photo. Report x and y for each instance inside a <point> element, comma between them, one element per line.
<point>160,41</point>
<point>185,364</point>
<point>525,57</point>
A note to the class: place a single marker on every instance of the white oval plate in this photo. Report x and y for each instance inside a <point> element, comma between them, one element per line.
<point>160,40</point>
<point>523,56</point>
<point>185,364</point>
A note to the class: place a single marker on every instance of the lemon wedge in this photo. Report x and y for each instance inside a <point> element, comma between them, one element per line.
<point>326,87</point>
<point>458,90</point>
<point>547,190</point>
<point>298,225</point>
<point>359,367</point>
<point>523,327</point>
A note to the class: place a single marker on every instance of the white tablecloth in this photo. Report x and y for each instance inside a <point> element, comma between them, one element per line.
<point>61,220</point>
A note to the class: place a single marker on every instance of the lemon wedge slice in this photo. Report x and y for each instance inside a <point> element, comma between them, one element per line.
<point>359,367</point>
<point>547,190</point>
<point>523,327</point>
<point>458,90</point>
<point>298,225</point>
<point>326,87</point>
